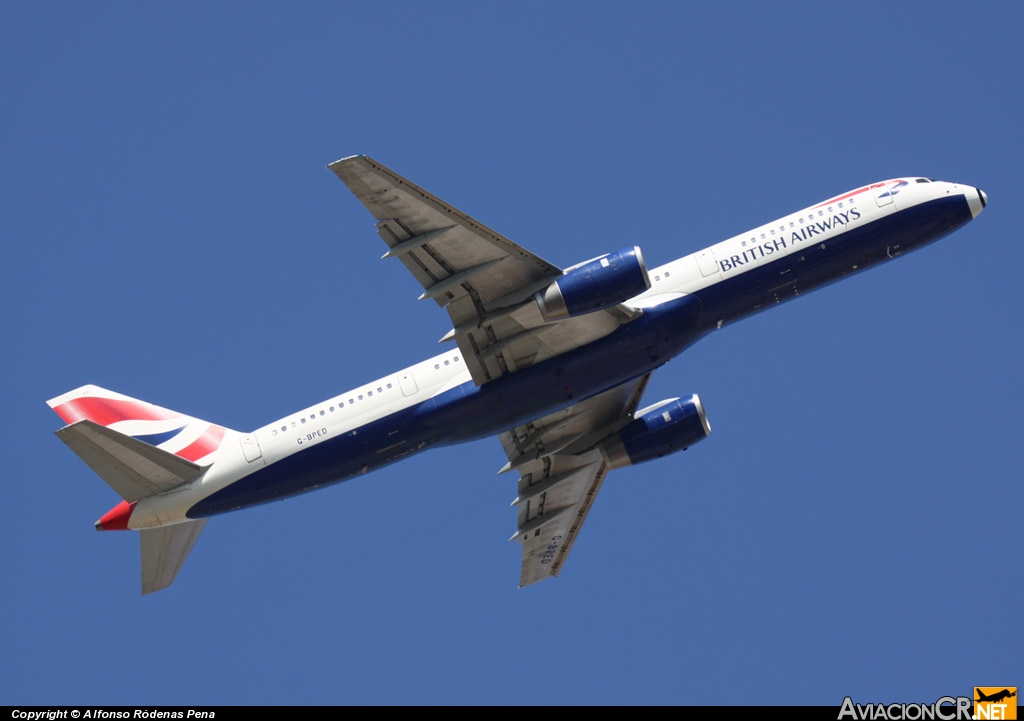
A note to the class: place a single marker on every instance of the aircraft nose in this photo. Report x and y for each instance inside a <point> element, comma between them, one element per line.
<point>976,201</point>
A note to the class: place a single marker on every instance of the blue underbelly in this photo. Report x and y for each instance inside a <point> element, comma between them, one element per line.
<point>468,412</point>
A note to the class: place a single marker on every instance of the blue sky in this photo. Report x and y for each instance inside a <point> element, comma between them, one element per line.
<point>172,232</point>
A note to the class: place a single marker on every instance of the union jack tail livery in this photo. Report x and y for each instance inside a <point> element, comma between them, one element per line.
<point>141,451</point>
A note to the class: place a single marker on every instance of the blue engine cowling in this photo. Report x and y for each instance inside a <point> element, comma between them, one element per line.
<point>671,426</point>
<point>596,284</point>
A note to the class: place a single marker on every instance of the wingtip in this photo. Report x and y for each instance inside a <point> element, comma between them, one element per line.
<point>347,159</point>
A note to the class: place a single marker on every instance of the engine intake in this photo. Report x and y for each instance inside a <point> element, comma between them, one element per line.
<point>671,426</point>
<point>595,284</point>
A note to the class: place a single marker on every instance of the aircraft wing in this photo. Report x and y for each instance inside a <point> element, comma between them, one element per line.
<point>484,280</point>
<point>561,473</point>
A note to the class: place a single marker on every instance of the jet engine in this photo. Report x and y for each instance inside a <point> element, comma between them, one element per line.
<point>664,428</point>
<point>595,284</point>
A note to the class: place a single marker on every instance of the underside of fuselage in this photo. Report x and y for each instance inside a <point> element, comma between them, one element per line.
<point>469,412</point>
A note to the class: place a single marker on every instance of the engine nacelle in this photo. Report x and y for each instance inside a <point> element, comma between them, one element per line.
<point>670,426</point>
<point>596,284</point>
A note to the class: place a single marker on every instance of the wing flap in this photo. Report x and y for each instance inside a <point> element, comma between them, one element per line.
<point>133,468</point>
<point>164,550</point>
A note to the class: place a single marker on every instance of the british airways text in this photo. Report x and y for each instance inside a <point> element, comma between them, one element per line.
<point>778,244</point>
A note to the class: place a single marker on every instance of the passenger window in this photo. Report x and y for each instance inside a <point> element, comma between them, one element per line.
<point>302,420</point>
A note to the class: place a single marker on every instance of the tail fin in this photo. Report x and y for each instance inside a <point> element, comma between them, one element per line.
<point>140,450</point>
<point>186,437</point>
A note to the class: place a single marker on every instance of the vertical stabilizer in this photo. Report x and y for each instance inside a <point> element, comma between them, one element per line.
<point>188,438</point>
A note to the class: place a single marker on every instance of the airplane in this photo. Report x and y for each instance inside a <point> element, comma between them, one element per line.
<point>553,361</point>
<point>996,697</point>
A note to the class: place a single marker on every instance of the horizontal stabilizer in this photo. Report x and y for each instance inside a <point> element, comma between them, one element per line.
<point>164,550</point>
<point>133,468</point>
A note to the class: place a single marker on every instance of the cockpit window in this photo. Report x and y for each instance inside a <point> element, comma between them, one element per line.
<point>923,180</point>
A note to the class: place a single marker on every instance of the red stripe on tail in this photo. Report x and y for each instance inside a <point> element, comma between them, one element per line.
<point>203,445</point>
<point>105,411</point>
